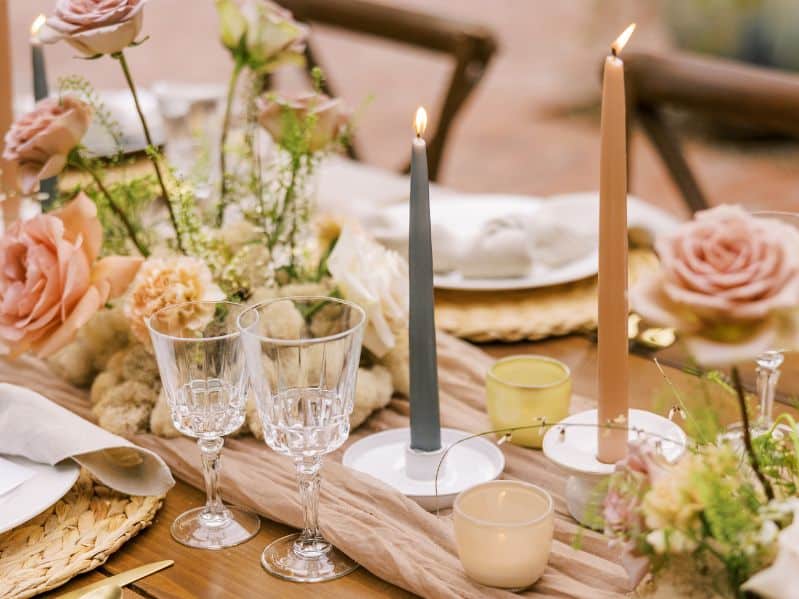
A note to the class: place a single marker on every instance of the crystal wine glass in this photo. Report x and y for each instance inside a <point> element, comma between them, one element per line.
<point>198,349</point>
<point>302,357</point>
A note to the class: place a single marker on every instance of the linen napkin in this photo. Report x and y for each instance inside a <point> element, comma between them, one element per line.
<point>34,427</point>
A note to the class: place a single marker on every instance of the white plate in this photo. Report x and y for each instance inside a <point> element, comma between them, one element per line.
<point>464,215</point>
<point>43,489</point>
<point>382,455</point>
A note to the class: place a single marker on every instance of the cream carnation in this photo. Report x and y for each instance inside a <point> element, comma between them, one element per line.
<point>167,282</point>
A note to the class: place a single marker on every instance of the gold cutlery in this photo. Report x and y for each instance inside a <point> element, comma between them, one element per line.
<point>118,580</point>
<point>111,591</point>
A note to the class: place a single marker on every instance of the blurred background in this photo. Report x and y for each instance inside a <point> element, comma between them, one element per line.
<point>531,126</point>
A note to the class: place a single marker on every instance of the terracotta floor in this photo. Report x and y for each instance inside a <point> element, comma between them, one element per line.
<point>526,130</point>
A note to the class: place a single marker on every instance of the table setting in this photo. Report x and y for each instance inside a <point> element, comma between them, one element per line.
<point>250,314</point>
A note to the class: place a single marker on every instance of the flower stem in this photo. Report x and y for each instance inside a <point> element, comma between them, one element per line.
<point>231,92</point>
<point>115,208</point>
<point>750,450</point>
<point>120,56</point>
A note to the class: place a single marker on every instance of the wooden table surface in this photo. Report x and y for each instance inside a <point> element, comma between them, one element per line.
<point>237,572</point>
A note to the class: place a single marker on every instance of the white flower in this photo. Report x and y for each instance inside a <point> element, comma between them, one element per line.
<point>670,541</point>
<point>778,581</point>
<point>376,279</point>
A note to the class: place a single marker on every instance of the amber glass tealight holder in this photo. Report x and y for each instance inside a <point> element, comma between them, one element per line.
<point>525,390</point>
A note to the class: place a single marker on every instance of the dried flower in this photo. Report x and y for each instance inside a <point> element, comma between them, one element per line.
<point>166,282</point>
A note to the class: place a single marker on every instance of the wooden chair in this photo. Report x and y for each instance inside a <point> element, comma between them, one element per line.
<point>757,97</point>
<point>471,46</point>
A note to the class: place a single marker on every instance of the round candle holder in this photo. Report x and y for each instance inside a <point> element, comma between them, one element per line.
<point>388,457</point>
<point>572,444</point>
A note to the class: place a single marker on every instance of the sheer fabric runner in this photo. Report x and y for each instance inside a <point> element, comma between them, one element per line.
<point>385,532</point>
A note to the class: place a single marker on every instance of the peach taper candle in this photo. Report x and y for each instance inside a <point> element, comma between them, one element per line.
<point>613,367</point>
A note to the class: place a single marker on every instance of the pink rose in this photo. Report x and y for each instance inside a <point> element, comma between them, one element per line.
<point>726,277</point>
<point>643,458</point>
<point>40,141</point>
<point>50,284</point>
<point>330,115</point>
<point>95,26</point>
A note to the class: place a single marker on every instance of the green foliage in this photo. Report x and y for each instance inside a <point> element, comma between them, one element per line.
<point>79,86</point>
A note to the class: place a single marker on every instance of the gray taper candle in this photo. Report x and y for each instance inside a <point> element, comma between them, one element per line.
<point>40,92</point>
<point>425,420</point>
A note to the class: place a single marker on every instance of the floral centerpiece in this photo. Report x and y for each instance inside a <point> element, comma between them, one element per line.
<point>722,520</point>
<point>78,282</point>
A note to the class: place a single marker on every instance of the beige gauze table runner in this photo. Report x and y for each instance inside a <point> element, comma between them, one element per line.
<point>387,533</point>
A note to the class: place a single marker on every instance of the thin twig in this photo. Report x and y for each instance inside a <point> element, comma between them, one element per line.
<point>120,56</point>
<point>115,208</point>
<point>750,450</point>
<point>507,431</point>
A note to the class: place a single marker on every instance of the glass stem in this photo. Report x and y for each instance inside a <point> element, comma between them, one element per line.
<point>214,513</point>
<point>768,375</point>
<point>310,543</point>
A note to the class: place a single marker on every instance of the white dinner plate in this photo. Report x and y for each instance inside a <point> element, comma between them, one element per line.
<point>464,215</point>
<point>47,485</point>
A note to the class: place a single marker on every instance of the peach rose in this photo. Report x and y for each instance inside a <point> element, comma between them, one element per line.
<point>728,281</point>
<point>329,113</point>
<point>95,26</point>
<point>50,283</point>
<point>40,141</point>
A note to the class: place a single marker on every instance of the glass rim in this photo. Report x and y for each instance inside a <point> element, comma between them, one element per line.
<point>540,491</point>
<point>566,371</point>
<point>148,321</point>
<point>295,298</point>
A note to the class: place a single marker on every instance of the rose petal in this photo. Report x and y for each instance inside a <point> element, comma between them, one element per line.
<point>118,271</point>
<point>64,334</point>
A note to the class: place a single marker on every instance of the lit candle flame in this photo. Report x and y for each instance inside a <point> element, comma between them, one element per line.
<point>622,40</point>
<point>420,124</point>
<point>37,25</point>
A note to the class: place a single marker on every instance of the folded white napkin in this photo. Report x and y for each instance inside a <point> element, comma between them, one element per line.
<point>42,431</point>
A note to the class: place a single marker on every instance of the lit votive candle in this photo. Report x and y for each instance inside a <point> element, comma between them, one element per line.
<point>503,532</point>
<point>523,391</point>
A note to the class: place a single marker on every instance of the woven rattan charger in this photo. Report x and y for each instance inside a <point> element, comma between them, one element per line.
<point>75,535</point>
<point>484,316</point>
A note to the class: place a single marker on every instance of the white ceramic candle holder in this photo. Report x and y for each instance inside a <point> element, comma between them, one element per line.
<point>572,445</point>
<point>388,457</point>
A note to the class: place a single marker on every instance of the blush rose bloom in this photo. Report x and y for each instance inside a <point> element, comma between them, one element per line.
<point>40,141</point>
<point>729,283</point>
<point>51,282</point>
<point>330,114</point>
<point>95,26</point>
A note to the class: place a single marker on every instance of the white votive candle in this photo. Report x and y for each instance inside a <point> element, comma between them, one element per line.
<point>503,532</point>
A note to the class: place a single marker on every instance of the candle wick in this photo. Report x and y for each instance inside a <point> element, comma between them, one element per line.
<point>613,51</point>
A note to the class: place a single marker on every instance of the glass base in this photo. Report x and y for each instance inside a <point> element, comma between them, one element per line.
<point>282,560</point>
<point>191,528</point>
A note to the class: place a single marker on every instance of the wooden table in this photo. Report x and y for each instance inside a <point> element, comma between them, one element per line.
<point>237,572</point>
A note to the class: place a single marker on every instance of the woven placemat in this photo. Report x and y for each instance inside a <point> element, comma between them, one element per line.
<point>528,314</point>
<point>75,535</point>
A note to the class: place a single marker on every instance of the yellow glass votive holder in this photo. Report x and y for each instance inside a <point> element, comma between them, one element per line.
<point>503,532</point>
<point>525,391</point>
